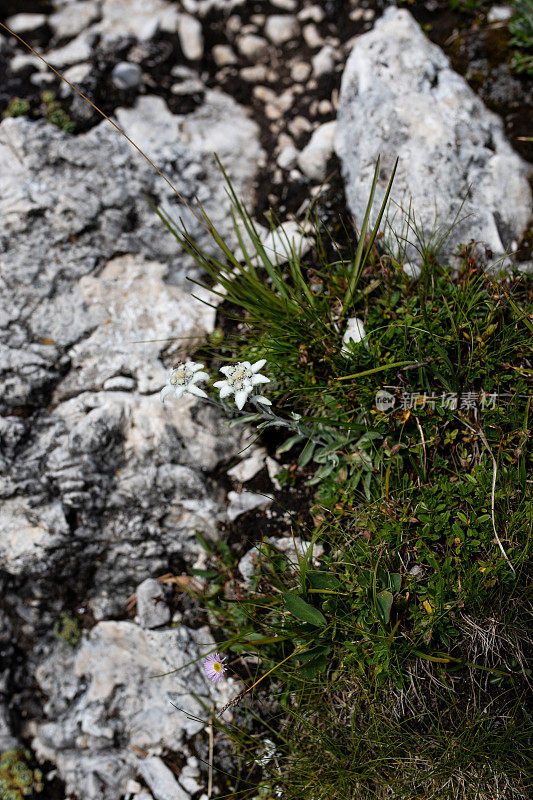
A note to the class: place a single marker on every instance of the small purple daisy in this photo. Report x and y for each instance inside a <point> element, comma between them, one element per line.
<point>214,667</point>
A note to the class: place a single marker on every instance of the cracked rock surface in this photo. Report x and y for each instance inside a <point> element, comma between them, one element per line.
<point>400,98</point>
<point>102,488</point>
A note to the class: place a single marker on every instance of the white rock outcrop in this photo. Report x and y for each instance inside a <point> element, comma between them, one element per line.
<point>400,98</point>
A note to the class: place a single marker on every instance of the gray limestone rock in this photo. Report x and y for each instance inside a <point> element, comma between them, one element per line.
<point>98,477</point>
<point>106,707</point>
<point>152,608</point>
<point>313,159</point>
<point>126,75</point>
<point>400,97</point>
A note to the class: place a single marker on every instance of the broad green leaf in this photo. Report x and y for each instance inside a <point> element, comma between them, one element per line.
<point>302,610</point>
<point>306,454</point>
<point>384,605</point>
<point>309,655</point>
<point>313,667</point>
<point>395,580</point>
<point>291,441</point>
<point>323,580</point>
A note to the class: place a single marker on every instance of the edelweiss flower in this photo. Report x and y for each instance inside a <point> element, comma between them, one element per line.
<point>183,379</point>
<point>214,667</point>
<point>240,380</point>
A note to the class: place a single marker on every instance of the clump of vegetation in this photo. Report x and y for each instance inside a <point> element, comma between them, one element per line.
<point>16,108</point>
<point>17,778</point>
<point>521,29</point>
<point>67,629</point>
<point>399,654</point>
<point>55,114</point>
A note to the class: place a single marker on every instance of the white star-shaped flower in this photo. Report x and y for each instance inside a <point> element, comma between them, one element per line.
<point>241,379</point>
<point>183,379</point>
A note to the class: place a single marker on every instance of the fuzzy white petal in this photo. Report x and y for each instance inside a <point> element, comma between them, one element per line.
<point>165,392</point>
<point>192,389</point>
<point>258,365</point>
<point>260,399</point>
<point>225,391</point>
<point>241,397</point>
<point>225,370</point>
<point>259,379</point>
<point>218,384</point>
<point>179,390</point>
<point>194,367</point>
<point>199,376</point>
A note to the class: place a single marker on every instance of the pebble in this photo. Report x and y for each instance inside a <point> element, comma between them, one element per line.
<point>25,23</point>
<point>254,74</point>
<point>244,502</point>
<point>355,332</point>
<point>280,28</point>
<point>300,71</point>
<point>324,107</point>
<point>152,608</point>
<point>285,5</point>
<point>190,86</point>
<point>287,157</point>
<point>126,75</point>
<point>223,55</point>
<point>299,125</point>
<point>314,157</point>
<point>311,36</point>
<point>314,13</point>
<point>252,47</point>
<point>247,469</point>
<point>22,61</point>
<point>324,61</point>
<point>75,51</point>
<point>499,14</point>
<point>38,78</point>
<point>191,37</point>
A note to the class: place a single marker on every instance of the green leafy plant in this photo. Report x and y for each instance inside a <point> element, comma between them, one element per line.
<point>17,778</point>
<point>55,114</point>
<point>16,108</point>
<point>67,629</point>
<point>521,29</point>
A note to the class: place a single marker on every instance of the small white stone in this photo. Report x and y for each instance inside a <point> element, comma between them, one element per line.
<point>324,107</point>
<point>499,14</point>
<point>191,37</point>
<point>324,61</point>
<point>161,780</point>
<point>23,60</point>
<point>25,23</point>
<point>223,55</point>
<point>311,36</point>
<point>40,78</point>
<point>285,5</point>
<point>244,502</point>
<point>247,469</point>
<point>279,242</point>
<point>72,53</point>
<point>314,157</point>
<point>280,28</point>
<point>355,332</point>
<point>287,157</point>
<point>314,13</point>
<point>300,71</point>
<point>299,125</point>
<point>126,76</point>
<point>152,608</point>
<point>254,74</point>
<point>252,46</point>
